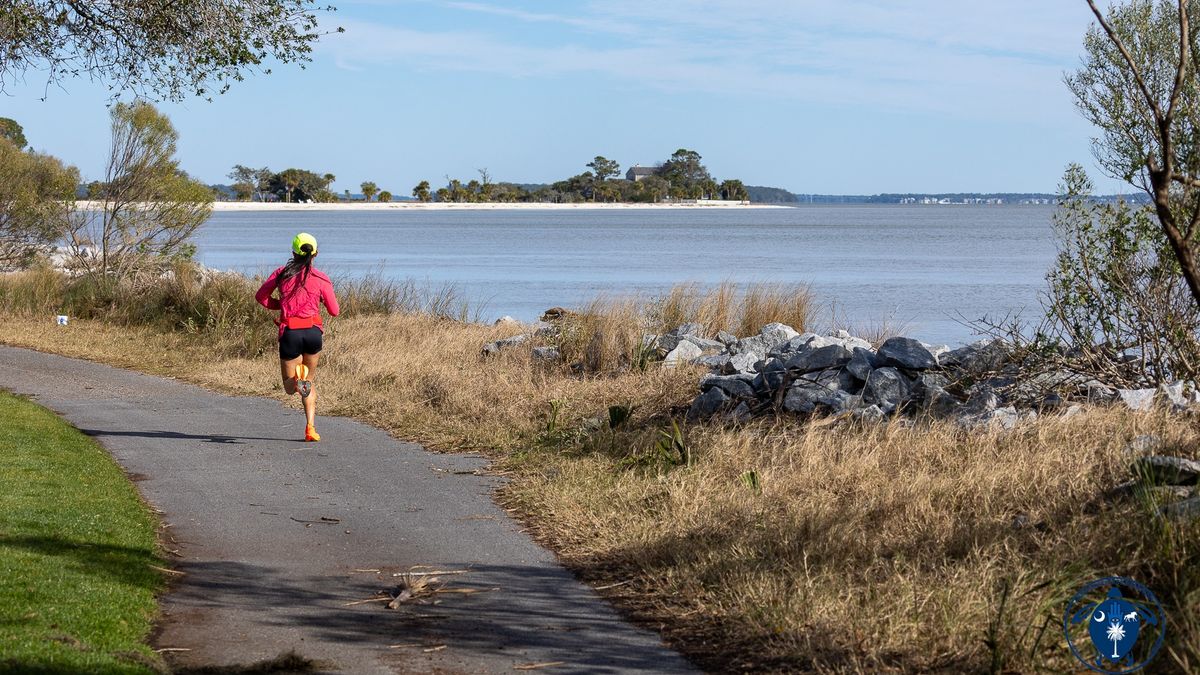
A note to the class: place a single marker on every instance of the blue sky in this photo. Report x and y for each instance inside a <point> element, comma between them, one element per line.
<point>829,96</point>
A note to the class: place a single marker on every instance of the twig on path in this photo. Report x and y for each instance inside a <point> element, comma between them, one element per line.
<point>608,586</point>
<point>434,649</point>
<point>426,574</point>
<point>325,520</point>
<point>465,591</point>
<point>363,602</point>
<point>166,571</point>
<point>536,666</point>
<point>172,649</point>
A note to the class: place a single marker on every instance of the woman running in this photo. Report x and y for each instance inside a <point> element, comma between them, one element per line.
<point>302,288</point>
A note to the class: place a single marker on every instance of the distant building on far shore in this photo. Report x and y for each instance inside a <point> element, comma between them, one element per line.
<point>638,172</point>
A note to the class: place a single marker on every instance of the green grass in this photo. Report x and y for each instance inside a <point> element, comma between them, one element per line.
<point>77,546</point>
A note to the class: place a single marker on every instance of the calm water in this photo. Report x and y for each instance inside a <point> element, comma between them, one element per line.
<point>921,265</point>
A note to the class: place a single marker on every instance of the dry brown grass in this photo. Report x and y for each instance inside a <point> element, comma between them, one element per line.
<point>778,547</point>
<point>730,308</point>
<point>858,545</point>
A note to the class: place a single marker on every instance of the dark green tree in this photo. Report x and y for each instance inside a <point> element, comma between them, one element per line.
<point>385,196</point>
<point>603,168</point>
<point>290,180</point>
<point>153,48</point>
<point>686,174</point>
<point>733,189</point>
<point>254,182</point>
<point>369,190</point>
<point>10,129</point>
<point>421,191</point>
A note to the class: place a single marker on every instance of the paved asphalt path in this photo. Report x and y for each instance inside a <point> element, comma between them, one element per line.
<point>271,534</point>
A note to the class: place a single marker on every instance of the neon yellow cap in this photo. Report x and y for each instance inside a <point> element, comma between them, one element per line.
<point>302,239</point>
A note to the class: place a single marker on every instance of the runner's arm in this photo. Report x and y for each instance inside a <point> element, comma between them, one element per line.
<point>330,300</point>
<point>263,296</point>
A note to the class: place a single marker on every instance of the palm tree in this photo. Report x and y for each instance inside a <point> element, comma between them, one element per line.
<point>1116,633</point>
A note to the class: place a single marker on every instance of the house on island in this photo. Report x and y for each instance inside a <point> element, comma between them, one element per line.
<point>638,172</point>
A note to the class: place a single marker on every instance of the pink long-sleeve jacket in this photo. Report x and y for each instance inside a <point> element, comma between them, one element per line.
<point>301,297</point>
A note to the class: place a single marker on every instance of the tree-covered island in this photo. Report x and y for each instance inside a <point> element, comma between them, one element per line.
<point>681,177</point>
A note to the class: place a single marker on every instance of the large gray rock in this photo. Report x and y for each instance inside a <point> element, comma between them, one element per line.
<point>981,400</point>
<point>715,362</point>
<point>546,354</point>
<point>819,389</point>
<point>1044,388</point>
<point>981,356</point>
<point>886,387</point>
<point>741,363</point>
<point>708,346</point>
<point>737,386</point>
<point>851,342</point>
<point>753,344</point>
<point>708,404</point>
<point>777,333</point>
<point>869,415</point>
<point>811,360</point>
<point>936,350</point>
<point>927,384</point>
<point>1139,400</point>
<point>908,353</point>
<point>929,389</point>
<point>1166,470</point>
<point>666,343</point>
<point>1004,418</point>
<point>740,414</point>
<point>802,342</point>
<point>1173,395</point>
<point>1096,391</point>
<point>686,352</point>
<point>862,362</point>
<point>1187,509</point>
<point>770,377</point>
<point>493,348</point>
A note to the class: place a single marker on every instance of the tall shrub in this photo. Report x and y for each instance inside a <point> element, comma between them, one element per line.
<point>1117,304</point>
<point>149,208</point>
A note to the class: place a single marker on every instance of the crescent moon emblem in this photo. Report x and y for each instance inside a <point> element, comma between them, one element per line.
<point>1101,619</point>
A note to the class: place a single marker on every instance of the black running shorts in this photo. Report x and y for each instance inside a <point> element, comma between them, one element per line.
<point>293,343</point>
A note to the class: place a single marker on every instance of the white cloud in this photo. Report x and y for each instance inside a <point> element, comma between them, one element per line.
<point>969,59</point>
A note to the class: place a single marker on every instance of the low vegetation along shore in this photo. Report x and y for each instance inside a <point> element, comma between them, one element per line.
<point>783,543</point>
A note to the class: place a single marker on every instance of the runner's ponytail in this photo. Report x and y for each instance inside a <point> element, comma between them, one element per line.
<point>300,264</point>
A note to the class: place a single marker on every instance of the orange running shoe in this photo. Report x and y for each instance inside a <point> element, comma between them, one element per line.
<point>310,433</point>
<point>303,384</point>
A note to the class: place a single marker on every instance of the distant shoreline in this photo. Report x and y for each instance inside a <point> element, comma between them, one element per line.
<point>476,206</point>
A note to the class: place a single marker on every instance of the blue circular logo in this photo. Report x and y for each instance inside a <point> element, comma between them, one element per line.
<point>1114,625</point>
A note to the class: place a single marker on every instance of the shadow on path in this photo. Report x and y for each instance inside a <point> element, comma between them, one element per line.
<point>507,610</point>
<point>175,435</point>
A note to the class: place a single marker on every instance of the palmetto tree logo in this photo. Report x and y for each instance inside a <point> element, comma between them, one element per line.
<point>1114,612</point>
<point>1115,633</point>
